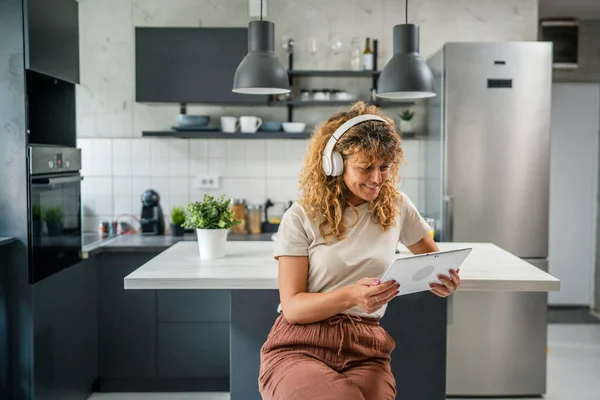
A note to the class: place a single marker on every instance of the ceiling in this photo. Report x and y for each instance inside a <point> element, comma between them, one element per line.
<point>581,9</point>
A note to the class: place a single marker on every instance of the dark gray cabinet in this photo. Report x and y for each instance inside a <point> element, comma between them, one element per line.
<point>190,65</point>
<point>127,318</point>
<point>188,350</point>
<point>52,38</point>
<point>65,341</point>
<point>159,339</point>
<point>193,333</point>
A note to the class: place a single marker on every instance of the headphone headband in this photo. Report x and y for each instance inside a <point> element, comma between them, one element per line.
<point>344,127</point>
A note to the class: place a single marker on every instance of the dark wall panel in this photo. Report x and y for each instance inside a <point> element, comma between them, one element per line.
<point>15,293</point>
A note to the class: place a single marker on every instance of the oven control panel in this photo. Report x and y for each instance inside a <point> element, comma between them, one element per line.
<point>53,159</point>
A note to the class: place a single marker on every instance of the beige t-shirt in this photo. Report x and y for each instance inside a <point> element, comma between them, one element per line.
<point>366,252</point>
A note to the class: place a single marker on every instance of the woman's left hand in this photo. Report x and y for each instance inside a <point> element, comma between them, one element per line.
<point>448,286</point>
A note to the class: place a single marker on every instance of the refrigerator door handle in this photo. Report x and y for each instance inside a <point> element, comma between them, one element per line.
<point>448,218</point>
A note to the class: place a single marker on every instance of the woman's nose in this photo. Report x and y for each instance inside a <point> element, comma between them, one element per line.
<point>376,175</point>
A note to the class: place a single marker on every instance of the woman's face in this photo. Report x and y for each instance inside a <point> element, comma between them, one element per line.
<point>364,178</point>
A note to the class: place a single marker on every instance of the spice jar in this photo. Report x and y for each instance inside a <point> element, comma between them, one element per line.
<point>254,218</point>
<point>239,212</point>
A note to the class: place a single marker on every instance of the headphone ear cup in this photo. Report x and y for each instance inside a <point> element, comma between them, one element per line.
<point>326,165</point>
<point>337,166</point>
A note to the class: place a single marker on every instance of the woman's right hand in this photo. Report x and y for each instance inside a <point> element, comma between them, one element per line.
<point>370,294</point>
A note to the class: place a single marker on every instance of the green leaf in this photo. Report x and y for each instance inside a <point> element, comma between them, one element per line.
<point>210,213</point>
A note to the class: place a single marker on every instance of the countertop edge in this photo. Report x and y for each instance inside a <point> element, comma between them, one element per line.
<point>6,240</point>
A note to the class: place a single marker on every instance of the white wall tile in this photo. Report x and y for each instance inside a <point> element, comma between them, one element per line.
<point>122,167</point>
<point>122,148</point>
<point>236,149</point>
<point>295,149</point>
<point>251,189</point>
<point>217,148</point>
<point>141,148</point>
<point>197,167</point>
<point>103,204</point>
<point>141,167</point>
<point>123,205</point>
<point>256,167</point>
<point>217,166</point>
<point>198,149</point>
<point>122,186</point>
<point>180,187</point>
<point>179,148</point>
<point>282,189</point>
<point>276,149</point>
<point>256,149</point>
<point>179,166</point>
<point>102,148</point>
<point>412,188</point>
<point>160,167</point>
<point>159,148</point>
<point>414,156</point>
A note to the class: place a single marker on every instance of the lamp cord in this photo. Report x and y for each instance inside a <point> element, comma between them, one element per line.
<point>261,3</point>
<point>405,11</point>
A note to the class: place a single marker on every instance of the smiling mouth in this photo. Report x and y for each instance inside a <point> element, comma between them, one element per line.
<point>371,187</point>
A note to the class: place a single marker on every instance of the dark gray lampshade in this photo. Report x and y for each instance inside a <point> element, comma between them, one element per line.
<point>406,75</point>
<point>260,72</point>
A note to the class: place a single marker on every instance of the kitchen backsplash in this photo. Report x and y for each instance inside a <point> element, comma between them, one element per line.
<point>117,171</point>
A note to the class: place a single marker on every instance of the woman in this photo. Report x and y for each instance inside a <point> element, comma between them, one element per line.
<point>331,247</point>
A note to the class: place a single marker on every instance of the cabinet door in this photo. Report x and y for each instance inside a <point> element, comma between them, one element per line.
<point>127,331</point>
<point>52,38</point>
<point>190,65</point>
<point>65,338</point>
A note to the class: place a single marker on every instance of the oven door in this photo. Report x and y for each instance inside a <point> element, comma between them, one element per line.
<point>54,224</point>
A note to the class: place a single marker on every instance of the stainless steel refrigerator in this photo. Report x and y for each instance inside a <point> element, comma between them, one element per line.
<point>487,180</point>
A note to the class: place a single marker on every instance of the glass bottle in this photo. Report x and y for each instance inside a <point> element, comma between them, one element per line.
<point>368,56</point>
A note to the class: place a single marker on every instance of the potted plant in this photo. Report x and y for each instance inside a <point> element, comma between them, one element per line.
<point>405,121</point>
<point>211,218</point>
<point>53,217</point>
<point>177,221</point>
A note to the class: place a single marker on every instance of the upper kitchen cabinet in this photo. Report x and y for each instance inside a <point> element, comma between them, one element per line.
<point>52,38</point>
<point>190,65</point>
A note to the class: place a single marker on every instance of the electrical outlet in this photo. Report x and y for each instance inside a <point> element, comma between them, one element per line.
<point>207,182</point>
<point>254,8</point>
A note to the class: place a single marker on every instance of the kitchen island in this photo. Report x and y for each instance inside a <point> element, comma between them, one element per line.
<point>417,322</point>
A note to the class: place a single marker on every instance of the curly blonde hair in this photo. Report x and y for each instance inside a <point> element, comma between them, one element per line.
<point>327,196</point>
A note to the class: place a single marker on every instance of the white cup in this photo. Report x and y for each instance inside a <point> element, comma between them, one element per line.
<point>229,124</point>
<point>250,124</point>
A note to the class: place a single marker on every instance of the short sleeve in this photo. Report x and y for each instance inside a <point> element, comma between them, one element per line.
<point>292,238</point>
<point>413,226</point>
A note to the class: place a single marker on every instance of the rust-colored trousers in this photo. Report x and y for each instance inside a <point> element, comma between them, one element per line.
<point>345,357</point>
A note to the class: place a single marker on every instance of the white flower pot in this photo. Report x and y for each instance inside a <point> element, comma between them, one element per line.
<point>405,126</point>
<point>211,243</point>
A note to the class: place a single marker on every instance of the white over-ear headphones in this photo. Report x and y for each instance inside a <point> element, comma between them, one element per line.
<point>333,164</point>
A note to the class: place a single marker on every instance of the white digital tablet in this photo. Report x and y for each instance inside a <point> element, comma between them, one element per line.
<point>415,273</point>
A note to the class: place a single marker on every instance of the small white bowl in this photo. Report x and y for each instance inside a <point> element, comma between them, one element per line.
<point>294,127</point>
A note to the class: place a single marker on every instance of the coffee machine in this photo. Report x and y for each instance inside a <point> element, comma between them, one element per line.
<point>152,220</point>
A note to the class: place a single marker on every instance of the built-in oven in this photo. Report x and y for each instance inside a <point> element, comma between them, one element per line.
<point>55,226</point>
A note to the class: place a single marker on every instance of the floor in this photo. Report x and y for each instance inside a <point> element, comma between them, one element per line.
<point>573,368</point>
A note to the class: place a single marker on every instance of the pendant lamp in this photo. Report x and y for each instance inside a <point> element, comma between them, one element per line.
<point>406,75</point>
<point>260,72</point>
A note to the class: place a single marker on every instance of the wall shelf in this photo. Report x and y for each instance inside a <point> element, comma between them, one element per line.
<point>244,136</point>
<point>225,135</point>
<point>338,103</point>
<point>333,73</point>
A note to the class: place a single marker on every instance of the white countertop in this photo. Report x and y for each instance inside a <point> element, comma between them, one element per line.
<point>250,265</point>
